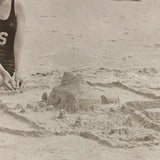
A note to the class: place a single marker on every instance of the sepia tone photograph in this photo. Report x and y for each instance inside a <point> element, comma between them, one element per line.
<point>79,80</point>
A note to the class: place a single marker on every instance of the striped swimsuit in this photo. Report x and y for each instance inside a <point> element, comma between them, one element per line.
<point>8,29</point>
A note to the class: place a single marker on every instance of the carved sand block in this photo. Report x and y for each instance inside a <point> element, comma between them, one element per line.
<point>109,100</point>
<point>73,94</point>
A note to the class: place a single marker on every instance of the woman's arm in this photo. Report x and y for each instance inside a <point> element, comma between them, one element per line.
<point>2,70</point>
<point>19,38</point>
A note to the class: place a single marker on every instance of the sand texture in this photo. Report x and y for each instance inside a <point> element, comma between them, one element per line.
<point>92,83</point>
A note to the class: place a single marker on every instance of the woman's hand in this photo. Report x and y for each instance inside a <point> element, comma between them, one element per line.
<point>20,85</point>
<point>7,82</point>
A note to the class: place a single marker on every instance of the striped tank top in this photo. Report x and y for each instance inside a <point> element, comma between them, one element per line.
<point>8,29</point>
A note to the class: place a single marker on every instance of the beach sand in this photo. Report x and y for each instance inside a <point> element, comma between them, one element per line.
<point>115,46</point>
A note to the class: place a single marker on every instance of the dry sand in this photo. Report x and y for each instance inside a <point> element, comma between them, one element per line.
<point>115,46</point>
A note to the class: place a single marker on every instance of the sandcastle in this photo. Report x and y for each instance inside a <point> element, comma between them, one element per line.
<point>73,94</point>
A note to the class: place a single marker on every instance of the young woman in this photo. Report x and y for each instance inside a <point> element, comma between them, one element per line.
<point>12,24</point>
